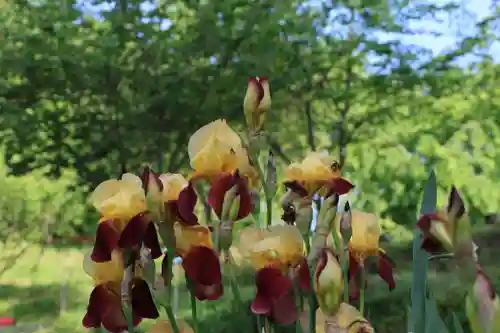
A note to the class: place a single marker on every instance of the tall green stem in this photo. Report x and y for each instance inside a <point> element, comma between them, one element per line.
<point>362,291</point>
<point>168,306</point>
<point>194,312</point>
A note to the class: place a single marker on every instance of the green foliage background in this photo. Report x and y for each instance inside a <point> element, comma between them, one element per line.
<point>85,91</point>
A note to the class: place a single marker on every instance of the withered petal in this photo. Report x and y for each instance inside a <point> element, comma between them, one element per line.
<point>151,241</point>
<point>456,203</point>
<point>296,187</point>
<point>143,304</point>
<point>385,269</point>
<point>134,232</point>
<point>284,311</point>
<point>106,241</point>
<point>271,282</point>
<point>202,266</point>
<point>218,190</point>
<point>186,204</point>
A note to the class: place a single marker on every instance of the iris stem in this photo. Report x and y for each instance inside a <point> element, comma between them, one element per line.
<point>312,298</point>
<point>168,306</point>
<point>194,311</point>
<point>233,281</point>
<point>269,209</point>
<point>362,291</point>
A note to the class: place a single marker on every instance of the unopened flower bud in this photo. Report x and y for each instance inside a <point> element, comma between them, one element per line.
<point>153,188</point>
<point>482,305</point>
<point>231,204</point>
<point>349,318</point>
<point>328,282</point>
<point>256,103</point>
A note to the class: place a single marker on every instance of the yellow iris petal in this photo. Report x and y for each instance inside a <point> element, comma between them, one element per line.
<point>189,236</point>
<point>105,272</point>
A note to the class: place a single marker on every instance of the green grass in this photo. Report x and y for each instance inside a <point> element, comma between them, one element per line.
<point>31,291</point>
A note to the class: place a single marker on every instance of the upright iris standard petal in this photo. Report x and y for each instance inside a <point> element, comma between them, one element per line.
<point>365,236</point>
<point>314,172</point>
<point>203,268</point>
<point>280,246</point>
<point>119,199</point>
<point>222,185</point>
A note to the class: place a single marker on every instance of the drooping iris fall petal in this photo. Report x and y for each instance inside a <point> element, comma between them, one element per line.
<point>107,237</point>
<point>105,309</point>
<point>182,209</point>
<point>141,230</point>
<point>224,183</point>
<point>203,268</point>
<point>142,301</point>
<point>272,298</point>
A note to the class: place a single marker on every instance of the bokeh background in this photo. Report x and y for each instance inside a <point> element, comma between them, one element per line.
<point>393,88</point>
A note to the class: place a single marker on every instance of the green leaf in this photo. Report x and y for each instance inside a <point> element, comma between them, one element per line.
<point>433,322</point>
<point>457,326</point>
<point>420,262</point>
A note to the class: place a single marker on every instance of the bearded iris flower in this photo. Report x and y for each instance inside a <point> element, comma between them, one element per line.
<point>364,243</point>
<point>449,228</point>
<point>125,220</point>
<point>315,171</point>
<point>105,303</point>
<point>216,149</point>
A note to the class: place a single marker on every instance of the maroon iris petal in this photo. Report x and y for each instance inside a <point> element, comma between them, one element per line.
<point>455,203</point>
<point>385,270</point>
<point>271,286</point>
<point>134,232</point>
<point>203,268</point>
<point>339,186</point>
<point>142,301</point>
<point>151,241</point>
<point>106,241</point>
<point>284,311</point>
<point>431,245</point>
<point>223,184</point>
<point>258,84</point>
<point>297,188</point>
<point>105,308</point>
<point>218,189</point>
<point>186,204</point>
